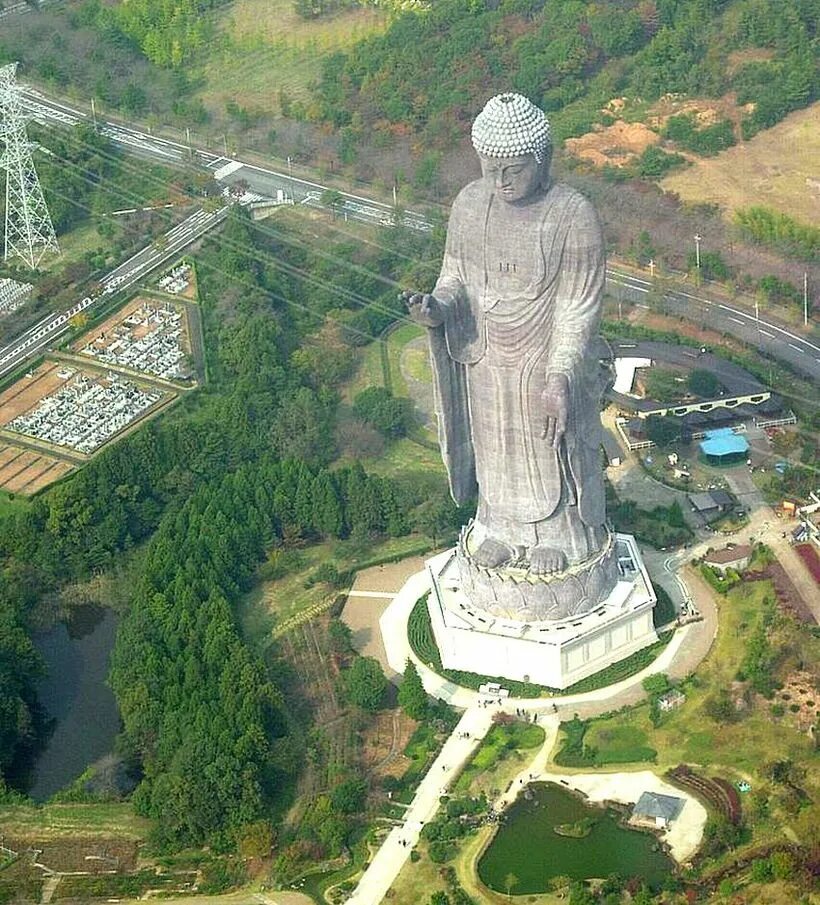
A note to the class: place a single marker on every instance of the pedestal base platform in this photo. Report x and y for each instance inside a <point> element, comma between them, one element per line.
<point>555,653</point>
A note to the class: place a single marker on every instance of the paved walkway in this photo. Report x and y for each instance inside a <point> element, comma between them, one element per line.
<point>680,657</point>
<point>395,850</point>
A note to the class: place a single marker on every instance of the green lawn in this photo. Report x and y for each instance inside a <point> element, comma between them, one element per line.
<point>396,341</point>
<point>70,820</point>
<point>368,374</point>
<point>273,601</point>
<point>622,744</point>
<point>501,743</point>
<point>408,457</point>
<point>10,502</point>
<point>417,363</point>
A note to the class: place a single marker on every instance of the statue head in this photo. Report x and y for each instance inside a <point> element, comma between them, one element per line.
<point>512,139</point>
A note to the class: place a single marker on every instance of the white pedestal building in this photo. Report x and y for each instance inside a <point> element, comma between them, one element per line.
<point>554,653</point>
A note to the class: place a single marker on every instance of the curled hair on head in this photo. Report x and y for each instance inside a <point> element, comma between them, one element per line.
<point>510,125</point>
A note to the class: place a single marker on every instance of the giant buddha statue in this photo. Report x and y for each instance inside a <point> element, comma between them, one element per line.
<point>512,323</point>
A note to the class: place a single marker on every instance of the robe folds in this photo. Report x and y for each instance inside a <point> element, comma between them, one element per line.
<point>521,288</point>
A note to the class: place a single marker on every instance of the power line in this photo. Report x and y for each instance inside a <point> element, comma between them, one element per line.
<point>29,232</point>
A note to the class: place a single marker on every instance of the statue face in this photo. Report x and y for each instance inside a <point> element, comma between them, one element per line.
<point>514,178</point>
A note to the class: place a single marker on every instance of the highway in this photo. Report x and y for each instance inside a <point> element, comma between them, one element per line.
<point>765,333</point>
<point>31,343</point>
<point>777,340</point>
<point>226,170</point>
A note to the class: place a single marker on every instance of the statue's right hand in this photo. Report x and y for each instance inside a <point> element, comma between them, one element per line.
<point>425,309</point>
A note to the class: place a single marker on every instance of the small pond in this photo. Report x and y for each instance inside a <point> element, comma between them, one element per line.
<point>527,845</point>
<point>76,697</point>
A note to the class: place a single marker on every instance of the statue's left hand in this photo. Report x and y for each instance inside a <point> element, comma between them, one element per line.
<point>556,409</point>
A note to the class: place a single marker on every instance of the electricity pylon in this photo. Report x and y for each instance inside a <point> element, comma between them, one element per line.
<point>29,232</point>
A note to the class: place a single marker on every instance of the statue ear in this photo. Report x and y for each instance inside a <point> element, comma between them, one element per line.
<point>545,165</point>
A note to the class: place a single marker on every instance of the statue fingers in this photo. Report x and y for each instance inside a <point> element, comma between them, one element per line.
<point>560,428</point>
<point>549,431</point>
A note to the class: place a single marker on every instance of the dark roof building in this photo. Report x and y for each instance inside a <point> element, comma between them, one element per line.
<point>659,810</point>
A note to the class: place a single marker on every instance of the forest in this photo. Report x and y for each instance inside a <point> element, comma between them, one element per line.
<point>234,470</point>
<point>571,57</point>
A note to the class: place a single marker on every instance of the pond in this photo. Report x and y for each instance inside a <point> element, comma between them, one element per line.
<point>76,698</point>
<point>527,845</point>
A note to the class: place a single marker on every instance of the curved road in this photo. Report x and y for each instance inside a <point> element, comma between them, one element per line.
<point>775,339</point>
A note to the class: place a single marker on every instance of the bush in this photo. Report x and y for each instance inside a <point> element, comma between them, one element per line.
<point>390,416</point>
<point>348,797</point>
<point>656,684</point>
<point>365,683</point>
<point>703,383</point>
<point>706,140</point>
<point>721,583</point>
<point>655,163</point>
<point>441,851</point>
<point>783,865</point>
<point>770,227</point>
<point>720,708</point>
<point>712,265</point>
<point>773,289</point>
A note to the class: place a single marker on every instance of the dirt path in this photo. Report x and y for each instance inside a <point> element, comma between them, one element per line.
<point>395,744</point>
<point>248,897</point>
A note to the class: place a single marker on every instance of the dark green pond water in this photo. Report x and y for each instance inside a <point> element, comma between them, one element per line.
<point>76,697</point>
<point>527,846</point>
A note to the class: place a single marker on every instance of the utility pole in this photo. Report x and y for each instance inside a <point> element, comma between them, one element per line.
<point>698,239</point>
<point>651,268</point>
<point>757,321</point>
<point>188,137</point>
<point>94,114</point>
<point>29,232</point>
<point>805,298</point>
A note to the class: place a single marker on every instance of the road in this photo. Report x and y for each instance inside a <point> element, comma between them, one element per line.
<point>227,170</point>
<point>766,333</point>
<point>30,343</point>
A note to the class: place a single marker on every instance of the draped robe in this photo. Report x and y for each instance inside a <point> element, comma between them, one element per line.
<point>520,288</point>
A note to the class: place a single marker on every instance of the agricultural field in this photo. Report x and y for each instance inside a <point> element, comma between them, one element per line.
<point>68,822</point>
<point>777,168</point>
<point>267,48</point>
<point>24,471</point>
